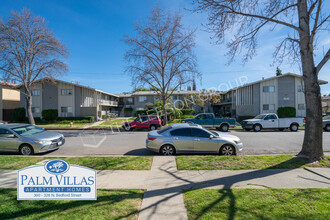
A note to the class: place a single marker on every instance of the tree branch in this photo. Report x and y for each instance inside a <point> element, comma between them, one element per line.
<point>323,61</point>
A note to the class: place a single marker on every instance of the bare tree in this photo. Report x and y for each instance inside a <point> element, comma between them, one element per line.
<point>161,55</point>
<point>205,97</point>
<point>303,20</point>
<point>29,51</point>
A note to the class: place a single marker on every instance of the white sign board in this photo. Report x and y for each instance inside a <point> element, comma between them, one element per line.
<point>56,180</point>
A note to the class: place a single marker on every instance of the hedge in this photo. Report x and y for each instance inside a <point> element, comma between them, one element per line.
<point>84,118</point>
<point>186,116</point>
<point>19,114</point>
<point>286,112</point>
<point>188,111</point>
<point>50,114</point>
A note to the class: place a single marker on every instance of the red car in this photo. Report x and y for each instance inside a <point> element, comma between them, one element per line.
<point>151,122</point>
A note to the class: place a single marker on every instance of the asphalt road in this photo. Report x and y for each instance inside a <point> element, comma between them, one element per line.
<point>103,143</point>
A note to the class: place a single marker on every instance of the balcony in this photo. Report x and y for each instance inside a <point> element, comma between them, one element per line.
<point>108,102</point>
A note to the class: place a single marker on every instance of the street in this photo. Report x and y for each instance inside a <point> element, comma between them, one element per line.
<point>102,143</point>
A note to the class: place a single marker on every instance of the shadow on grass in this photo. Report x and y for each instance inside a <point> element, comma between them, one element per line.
<point>44,208</point>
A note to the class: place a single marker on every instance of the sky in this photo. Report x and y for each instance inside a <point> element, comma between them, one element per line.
<point>93,31</point>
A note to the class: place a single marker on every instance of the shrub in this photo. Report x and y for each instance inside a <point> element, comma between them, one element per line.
<point>19,114</point>
<point>286,112</point>
<point>187,116</point>
<point>188,111</point>
<point>129,109</point>
<point>49,114</point>
<point>86,119</point>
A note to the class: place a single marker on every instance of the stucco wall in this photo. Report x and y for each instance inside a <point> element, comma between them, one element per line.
<point>286,91</point>
<point>88,111</point>
<point>50,96</point>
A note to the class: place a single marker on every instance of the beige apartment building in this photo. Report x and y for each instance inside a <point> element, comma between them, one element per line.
<point>9,100</point>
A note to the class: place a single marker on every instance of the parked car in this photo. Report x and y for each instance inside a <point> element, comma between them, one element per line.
<point>266,121</point>
<point>185,137</point>
<point>208,120</point>
<point>151,122</point>
<point>28,139</point>
<point>326,123</point>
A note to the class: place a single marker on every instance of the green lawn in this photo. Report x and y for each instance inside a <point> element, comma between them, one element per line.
<point>97,163</point>
<point>110,204</point>
<point>63,126</point>
<point>215,162</point>
<point>258,203</point>
<point>117,121</point>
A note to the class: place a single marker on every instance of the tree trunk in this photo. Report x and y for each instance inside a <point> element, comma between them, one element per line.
<point>28,98</point>
<point>164,110</point>
<point>312,146</point>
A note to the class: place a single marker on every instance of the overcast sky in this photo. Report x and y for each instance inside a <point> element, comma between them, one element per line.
<point>93,30</point>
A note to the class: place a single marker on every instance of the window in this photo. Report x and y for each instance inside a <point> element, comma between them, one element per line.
<point>154,118</point>
<point>66,91</point>
<point>35,110</point>
<point>301,106</point>
<point>196,132</point>
<point>209,116</point>
<point>144,118</point>
<point>66,109</point>
<point>270,117</point>
<point>28,130</point>
<point>269,89</point>
<point>139,109</point>
<point>35,92</point>
<point>130,100</point>
<point>301,88</point>
<point>4,132</point>
<point>185,132</point>
<point>164,129</point>
<point>268,107</point>
<point>201,117</point>
<point>142,98</point>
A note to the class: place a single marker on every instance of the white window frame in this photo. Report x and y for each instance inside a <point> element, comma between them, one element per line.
<point>269,107</point>
<point>301,88</point>
<point>303,107</point>
<point>67,107</point>
<point>35,92</point>
<point>142,98</point>
<point>66,92</point>
<point>268,89</point>
<point>34,110</point>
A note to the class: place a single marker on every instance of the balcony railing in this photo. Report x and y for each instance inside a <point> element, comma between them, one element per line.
<point>108,102</point>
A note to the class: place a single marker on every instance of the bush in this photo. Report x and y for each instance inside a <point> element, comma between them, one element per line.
<point>19,114</point>
<point>129,109</point>
<point>104,117</point>
<point>242,118</point>
<point>86,119</point>
<point>186,116</point>
<point>188,111</point>
<point>286,112</point>
<point>50,114</point>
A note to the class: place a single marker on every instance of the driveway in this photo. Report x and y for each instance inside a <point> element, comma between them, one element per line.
<point>102,143</point>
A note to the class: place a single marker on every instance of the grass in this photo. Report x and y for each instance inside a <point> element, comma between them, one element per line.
<point>117,121</point>
<point>62,126</point>
<point>97,163</point>
<point>214,162</point>
<point>258,203</point>
<point>110,204</point>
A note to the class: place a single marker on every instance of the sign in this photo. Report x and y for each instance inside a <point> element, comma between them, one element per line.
<point>56,180</point>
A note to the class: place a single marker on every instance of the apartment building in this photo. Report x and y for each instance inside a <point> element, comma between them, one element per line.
<point>265,96</point>
<point>70,99</point>
<point>9,100</point>
<point>326,105</point>
<point>143,100</point>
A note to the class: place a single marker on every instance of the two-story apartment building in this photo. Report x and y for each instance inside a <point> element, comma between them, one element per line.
<point>70,99</point>
<point>143,100</point>
<point>9,100</point>
<point>326,105</point>
<point>266,96</point>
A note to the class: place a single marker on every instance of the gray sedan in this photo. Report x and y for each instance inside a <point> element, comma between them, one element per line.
<point>326,123</point>
<point>181,138</point>
<point>28,139</point>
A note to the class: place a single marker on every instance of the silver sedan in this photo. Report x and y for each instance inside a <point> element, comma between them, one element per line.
<point>28,139</point>
<point>181,138</point>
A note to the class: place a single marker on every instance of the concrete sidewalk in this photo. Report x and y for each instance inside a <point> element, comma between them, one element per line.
<point>164,183</point>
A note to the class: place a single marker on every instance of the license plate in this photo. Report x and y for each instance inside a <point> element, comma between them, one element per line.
<point>59,143</point>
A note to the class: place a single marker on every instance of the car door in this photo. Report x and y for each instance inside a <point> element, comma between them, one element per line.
<point>208,121</point>
<point>7,141</point>
<point>270,121</point>
<point>182,139</point>
<point>203,142</point>
<point>200,119</point>
<point>145,122</point>
<point>137,122</point>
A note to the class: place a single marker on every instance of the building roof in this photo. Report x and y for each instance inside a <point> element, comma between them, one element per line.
<point>75,84</point>
<point>321,82</point>
<point>3,83</point>
<point>139,93</point>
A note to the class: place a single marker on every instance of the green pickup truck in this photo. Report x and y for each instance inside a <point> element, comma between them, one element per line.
<point>208,120</point>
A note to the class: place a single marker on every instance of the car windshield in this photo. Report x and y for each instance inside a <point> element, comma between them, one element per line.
<point>259,117</point>
<point>215,133</point>
<point>164,129</point>
<point>28,130</point>
<point>326,117</point>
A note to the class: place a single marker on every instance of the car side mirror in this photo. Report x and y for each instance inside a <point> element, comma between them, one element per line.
<point>11,136</point>
<point>211,136</point>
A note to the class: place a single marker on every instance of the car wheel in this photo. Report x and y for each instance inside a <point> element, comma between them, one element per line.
<point>228,150</point>
<point>153,127</point>
<point>26,150</point>
<point>257,128</point>
<point>327,128</point>
<point>247,129</point>
<point>294,127</point>
<point>281,129</point>
<point>127,127</point>
<point>167,150</point>
<point>224,128</point>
